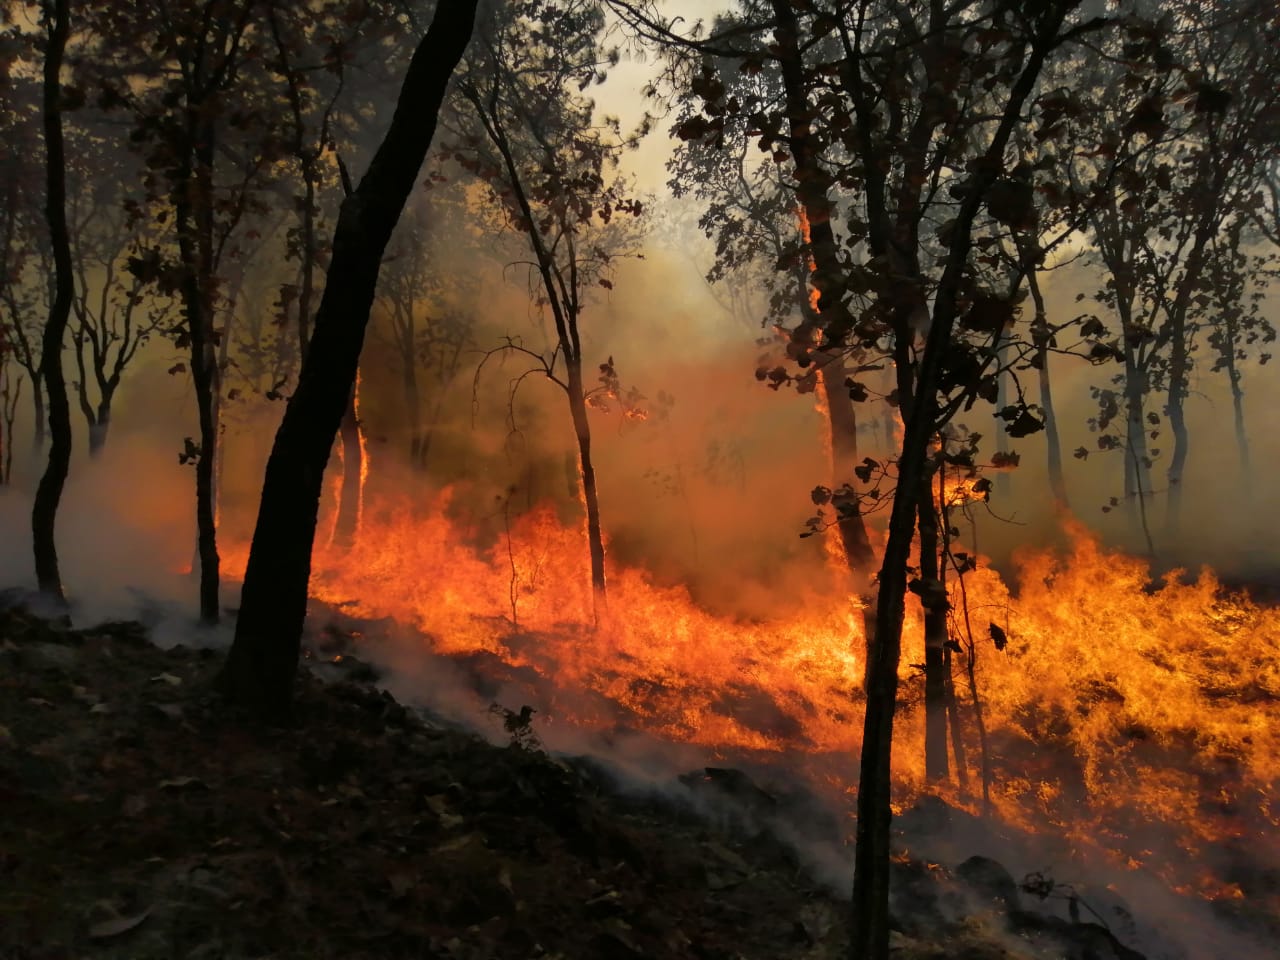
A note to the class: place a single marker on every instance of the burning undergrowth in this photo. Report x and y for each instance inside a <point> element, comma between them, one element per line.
<point>1132,722</point>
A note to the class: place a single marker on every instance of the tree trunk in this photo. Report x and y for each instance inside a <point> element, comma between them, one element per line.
<point>260,669</point>
<point>1042,337</point>
<point>1057,478</point>
<point>1137,467</point>
<point>1003,482</point>
<point>41,417</point>
<point>590,498</point>
<point>1237,410</point>
<point>49,492</point>
<point>933,598</point>
<point>193,206</point>
<point>842,424</point>
<point>870,901</point>
<point>351,501</point>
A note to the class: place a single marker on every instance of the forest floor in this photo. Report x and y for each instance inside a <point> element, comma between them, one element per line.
<point>140,818</point>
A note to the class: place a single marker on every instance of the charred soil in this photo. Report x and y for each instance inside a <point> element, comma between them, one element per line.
<point>143,819</point>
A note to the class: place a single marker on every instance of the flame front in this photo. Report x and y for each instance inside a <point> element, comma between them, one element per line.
<point>1142,719</point>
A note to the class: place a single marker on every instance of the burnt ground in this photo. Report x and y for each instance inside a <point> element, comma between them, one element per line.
<point>140,818</point>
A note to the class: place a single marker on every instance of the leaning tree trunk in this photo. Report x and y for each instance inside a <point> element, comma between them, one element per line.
<point>260,669</point>
<point>49,493</point>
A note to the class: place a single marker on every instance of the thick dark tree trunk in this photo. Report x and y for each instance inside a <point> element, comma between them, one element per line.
<point>933,598</point>
<point>49,492</point>
<point>351,500</point>
<point>263,661</point>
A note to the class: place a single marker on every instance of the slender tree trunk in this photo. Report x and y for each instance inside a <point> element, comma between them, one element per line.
<point>1180,337</point>
<point>49,492</point>
<point>1003,482</point>
<point>41,417</point>
<point>1181,446</point>
<point>953,721</point>
<point>590,498</point>
<point>933,598</point>
<point>1053,441</point>
<point>1237,410</point>
<point>263,661</point>
<point>307,287</point>
<point>1137,483</point>
<point>870,901</point>
<point>351,501</point>
<point>1042,337</point>
<point>193,199</point>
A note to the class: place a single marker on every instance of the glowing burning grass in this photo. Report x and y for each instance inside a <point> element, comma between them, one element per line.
<point>1144,719</point>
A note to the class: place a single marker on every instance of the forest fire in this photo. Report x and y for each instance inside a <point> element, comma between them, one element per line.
<point>1135,718</point>
<point>967,229</point>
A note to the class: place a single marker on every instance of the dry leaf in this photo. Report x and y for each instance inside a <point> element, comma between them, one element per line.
<point>117,925</point>
<point>168,678</point>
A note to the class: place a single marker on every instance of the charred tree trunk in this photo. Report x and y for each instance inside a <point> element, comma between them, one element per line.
<point>44,512</point>
<point>263,661</point>
<point>933,598</point>
<point>351,501</point>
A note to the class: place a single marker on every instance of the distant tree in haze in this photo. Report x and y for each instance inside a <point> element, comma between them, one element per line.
<point>1208,123</point>
<point>26,266</point>
<point>426,305</point>
<point>117,307</point>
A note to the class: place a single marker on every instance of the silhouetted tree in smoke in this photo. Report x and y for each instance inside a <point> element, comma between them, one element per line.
<point>262,664</point>
<point>56,17</point>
